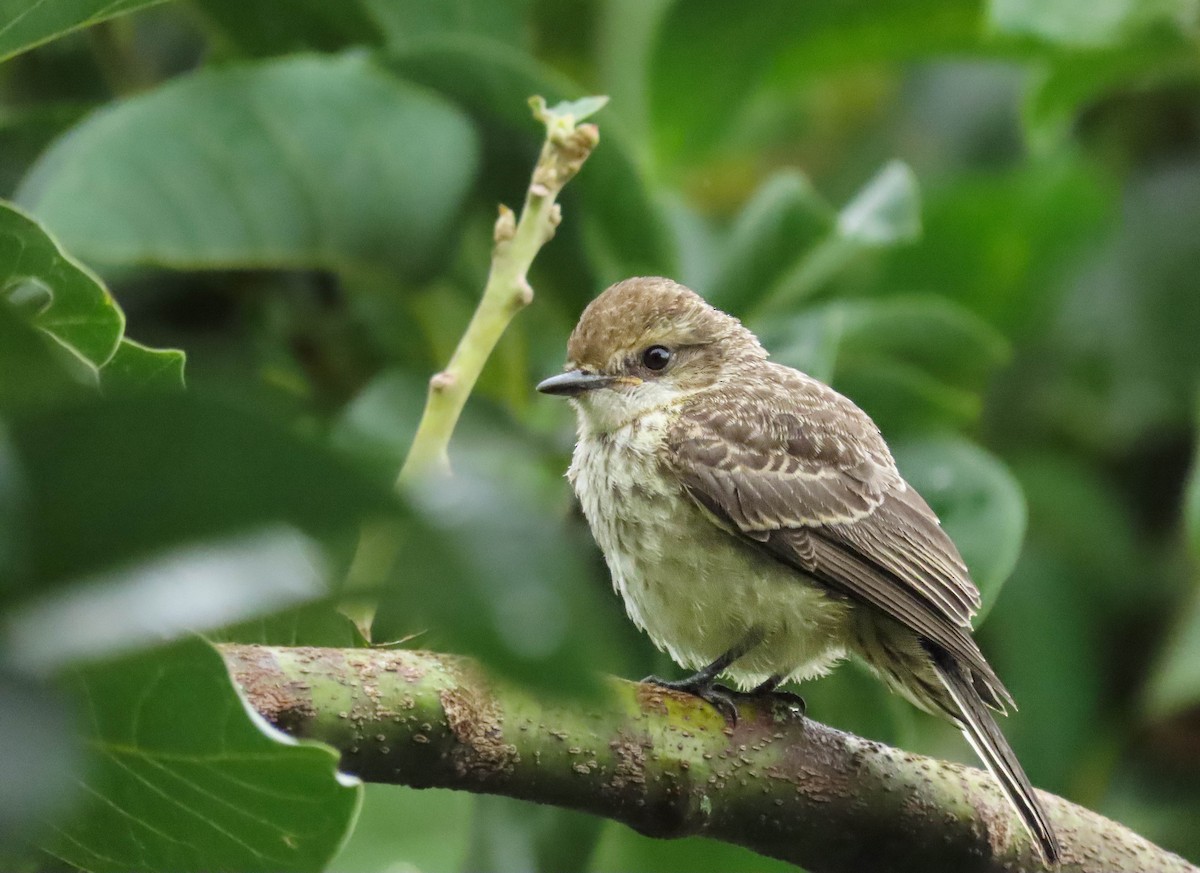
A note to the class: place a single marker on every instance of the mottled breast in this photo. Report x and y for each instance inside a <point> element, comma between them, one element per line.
<point>695,588</point>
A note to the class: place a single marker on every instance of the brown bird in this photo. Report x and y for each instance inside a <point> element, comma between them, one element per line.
<point>756,526</point>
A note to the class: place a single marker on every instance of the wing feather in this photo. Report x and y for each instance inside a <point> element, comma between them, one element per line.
<point>816,487</point>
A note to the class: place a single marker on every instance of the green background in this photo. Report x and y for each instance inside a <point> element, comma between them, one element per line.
<point>977,219</point>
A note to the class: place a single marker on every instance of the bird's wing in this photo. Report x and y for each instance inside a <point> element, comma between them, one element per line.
<point>797,468</point>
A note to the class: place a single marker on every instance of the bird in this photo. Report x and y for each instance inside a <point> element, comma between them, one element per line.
<point>757,528</point>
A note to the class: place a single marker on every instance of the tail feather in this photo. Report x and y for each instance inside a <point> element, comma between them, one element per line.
<point>984,735</point>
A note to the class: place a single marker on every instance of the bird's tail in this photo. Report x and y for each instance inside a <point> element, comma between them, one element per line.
<point>984,735</point>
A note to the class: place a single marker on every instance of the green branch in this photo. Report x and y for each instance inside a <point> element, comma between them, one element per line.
<point>665,764</point>
<point>517,242</point>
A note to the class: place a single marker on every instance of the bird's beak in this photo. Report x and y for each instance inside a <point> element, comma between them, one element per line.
<point>574,382</point>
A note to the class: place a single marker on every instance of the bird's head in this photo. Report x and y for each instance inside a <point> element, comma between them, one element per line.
<point>645,344</point>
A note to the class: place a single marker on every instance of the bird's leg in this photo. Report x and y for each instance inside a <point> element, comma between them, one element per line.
<point>770,688</point>
<point>704,685</point>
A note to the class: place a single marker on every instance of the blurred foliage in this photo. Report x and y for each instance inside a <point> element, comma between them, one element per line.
<point>975,218</point>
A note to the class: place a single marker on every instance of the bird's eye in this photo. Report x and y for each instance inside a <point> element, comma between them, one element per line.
<point>656,357</point>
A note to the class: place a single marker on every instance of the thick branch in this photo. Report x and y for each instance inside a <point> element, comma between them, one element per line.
<point>665,764</point>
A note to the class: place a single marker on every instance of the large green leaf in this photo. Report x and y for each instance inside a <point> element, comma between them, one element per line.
<point>378,424</point>
<point>915,363</point>
<point>188,589</point>
<point>135,367</point>
<point>785,218</point>
<point>998,243</point>
<point>1191,506</point>
<point>494,573</point>
<point>261,29</point>
<point>407,21</point>
<point>979,502</point>
<point>1174,685</point>
<point>1088,23</point>
<point>58,294</point>
<point>435,836</point>
<point>27,23</point>
<point>324,162</point>
<point>1071,81</point>
<point>506,834</point>
<point>626,850</point>
<point>110,482</point>
<point>1045,643</point>
<point>708,58</point>
<point>12,509</point>
<point>885,212</point>
<point>311,624</point>
<point>40,782</point>
<point>35,369</point>
<point>182,778</point>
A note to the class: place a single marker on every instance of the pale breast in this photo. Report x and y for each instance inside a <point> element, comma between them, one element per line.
<point>696,589</point>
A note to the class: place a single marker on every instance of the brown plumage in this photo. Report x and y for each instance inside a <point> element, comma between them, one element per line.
<point>756,523</point>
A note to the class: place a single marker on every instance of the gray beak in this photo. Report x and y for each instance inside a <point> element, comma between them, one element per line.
<point>573,383</point>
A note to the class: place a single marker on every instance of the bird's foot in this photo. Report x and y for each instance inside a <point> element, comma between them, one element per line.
<point>794,702</point>
<point>770,690</point>
<point>722,699</point>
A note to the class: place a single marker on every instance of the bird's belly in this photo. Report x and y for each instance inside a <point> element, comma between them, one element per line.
<point>696,589</point>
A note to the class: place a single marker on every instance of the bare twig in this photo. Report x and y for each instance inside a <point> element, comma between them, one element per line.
<point>516,243</point>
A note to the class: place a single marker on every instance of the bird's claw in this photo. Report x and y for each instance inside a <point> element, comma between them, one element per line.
<point>794,702</point>
<point>722,699</point>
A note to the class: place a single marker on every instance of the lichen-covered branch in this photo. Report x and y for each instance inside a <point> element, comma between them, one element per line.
<point>665,764</point>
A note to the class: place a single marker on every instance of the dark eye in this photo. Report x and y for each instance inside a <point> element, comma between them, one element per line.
<point>656,357</point>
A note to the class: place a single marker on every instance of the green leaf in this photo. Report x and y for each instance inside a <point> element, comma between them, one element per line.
<point>1044,641</point>
<point>378,424</point>
<point>996,243</point>
<point>59,294</point>
<point>979,502</point>
<point>574,110</point>
<point>1174,685</point>
<point>136,367</point>
<point>707,61</point>
<point>25,24</point>
<point>36,370</point>
<point>434,837</point>
<point>1088,23</point>
<point>113,481</point>
<point>1080,514</point>
<point>407,21</point>
<point>624,849</point>
<point>12,510</point>
<point>261,30</point>
<point>511,584</point>
<point>783,219</point>
<point>182,778</point>
<point>186,590</point>
<point>913,362</point>
<point>40,782</point>
<point>321,162</point>
<point>1071,81</point>
<point>886,211</point>
<point>1191,506</point>
<point>508,834</point>
<point>312,624</point>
